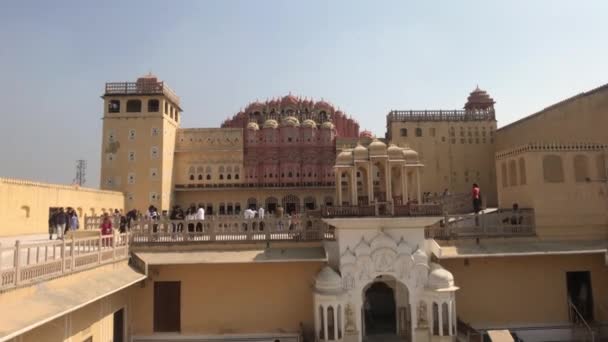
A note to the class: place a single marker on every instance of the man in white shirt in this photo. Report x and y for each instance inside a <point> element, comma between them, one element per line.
<point>261,213</point>
<point>200,216</point>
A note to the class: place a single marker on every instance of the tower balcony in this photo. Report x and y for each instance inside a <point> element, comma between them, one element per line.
<point>141,88</point>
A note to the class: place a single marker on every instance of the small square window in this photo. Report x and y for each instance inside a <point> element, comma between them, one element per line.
<point>130,196</point>
<point>131,178</point>
<point>153,173</point>
<point>154,152</point>
<point>404,132</point>
<point>131,134</point>
<point>418,132</point>
<point>131,156</point>
<point>154,197</point>
<point>155,131</point>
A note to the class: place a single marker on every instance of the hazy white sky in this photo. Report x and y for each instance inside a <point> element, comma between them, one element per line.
<point>366,57</point>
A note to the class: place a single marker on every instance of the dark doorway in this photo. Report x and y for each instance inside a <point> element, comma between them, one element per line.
<point>119,326</point>
<point>167,303</point>
<point>580,295</point>
<point>272,207</point>
<point>290,208</point>
<point>379,309</point>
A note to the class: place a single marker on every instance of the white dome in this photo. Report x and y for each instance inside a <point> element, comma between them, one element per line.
<point>309,124</point>
<point>327,125</point>
<point>345,158</point>
<point>253,126</point>
<point>361,152</point>
<point>394,152</point>
<point>291,121</point>
<point>377,148</point>
<point>328,281</point>
<point>441,279</point>
<point>270,123</point>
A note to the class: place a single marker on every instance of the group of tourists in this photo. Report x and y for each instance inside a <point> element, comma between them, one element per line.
<point>61,221</point>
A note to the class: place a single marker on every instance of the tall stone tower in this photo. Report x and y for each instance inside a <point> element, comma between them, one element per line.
<point>139,127</point>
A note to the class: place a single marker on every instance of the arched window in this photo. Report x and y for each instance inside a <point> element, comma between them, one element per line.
<point>221,176</point>
<point>153,106</point>
<point>404,132</point>
<point>222,209</point>
<point>328,201</point>
<point>191,177</point>
<point>229,209</point>
<point>435,319</point>
<point>208,177</point>
<point>229,177</point>
<point>339,322</point>
<point>237,208</point>
<point>553,170</point>
<point>600,163</point>
<point>503,176</point>
<point>581,168</point>
<point>522,171</point>
<point>322,325</point>
<point>445,319</point>
<point>512,173</point>
<point>418,132</point>
<point>114,106</point>
<point>331,335</point>
<point>236,176</point>
<point>133,106</point>
<point>200,177</point>
<point>310,203</point>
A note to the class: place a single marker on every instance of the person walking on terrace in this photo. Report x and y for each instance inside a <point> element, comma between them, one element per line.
<point>61,220</point>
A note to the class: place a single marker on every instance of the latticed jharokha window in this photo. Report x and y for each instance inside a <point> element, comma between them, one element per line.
<point>133,106</point>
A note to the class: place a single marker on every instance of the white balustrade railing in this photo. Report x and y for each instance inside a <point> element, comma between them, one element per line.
<point>500,223</point>
<point>225,228</point>
<point>28,263</point>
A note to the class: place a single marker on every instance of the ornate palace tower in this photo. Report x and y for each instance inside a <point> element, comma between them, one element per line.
<point>139,128</point>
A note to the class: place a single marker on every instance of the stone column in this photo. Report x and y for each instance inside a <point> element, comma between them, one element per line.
<point>339,186</point>
<point>326,319</point>
<point>406,181</point>
<point>389,182</point>
<point>403,185</point>
<point>418,197</point>
<point>370,182</point>
<point>335,322</point>
<point>440,317</point>
<point>353,186</point>
<point>450,319</point>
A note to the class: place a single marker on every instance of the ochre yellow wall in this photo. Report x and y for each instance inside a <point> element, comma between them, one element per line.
<point>452,161</point>
<point>580,119</point>
<point>95,319</point>
<point>523,290</point>
<point>24,205</point>
<point>232,298</point>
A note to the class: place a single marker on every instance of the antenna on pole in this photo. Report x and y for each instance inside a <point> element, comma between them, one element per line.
<point>81,170</point>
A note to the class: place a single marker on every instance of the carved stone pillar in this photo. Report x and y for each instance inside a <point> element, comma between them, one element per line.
<point>353,186</point>
<point>339,186</point>
<point>370,182</point>
<point>418,197</point>
<point>389,182</point>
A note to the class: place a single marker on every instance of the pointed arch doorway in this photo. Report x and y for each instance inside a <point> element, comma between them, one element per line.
<point>386,312</point>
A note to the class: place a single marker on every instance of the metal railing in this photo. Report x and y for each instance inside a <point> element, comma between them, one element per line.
<point>500,223</point>
<point>467,332</point>
<point>225,228</point>
<point>577,317</point>
<point>30,263</point>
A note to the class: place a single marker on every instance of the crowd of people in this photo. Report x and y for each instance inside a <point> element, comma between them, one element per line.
<point>61,221</point>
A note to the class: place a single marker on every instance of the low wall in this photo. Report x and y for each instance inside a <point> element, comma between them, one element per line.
<point>24,205</point>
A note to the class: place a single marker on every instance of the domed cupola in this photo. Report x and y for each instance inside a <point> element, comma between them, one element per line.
<point>253,126</point>
<point>327,125</point>
<point>345,158</point>
<point>377,148</point>
<point>441,279</point>
<point>360,152</point>
<point>255,107</point>
<point>309,124</point>
<point>411,156</point>
<point>366,134</point>
<point>270,123</point>
<point>328,281</point>
<point>291,121</point>
<point>322,105</point>
<point>289,101</point>
<point>479,100</point>
<point>395,152</point>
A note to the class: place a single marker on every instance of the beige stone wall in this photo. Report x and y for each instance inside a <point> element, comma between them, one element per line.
<point>218,299</point>
<point>523,290</point>
<point>581,118</point>
<point>203,153</point>
<point>455,154</point>
<point>24,205</point>
<point>93,320</point>
<point>242,195</point>
<point>566,205</point>
<point>137,152</point>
